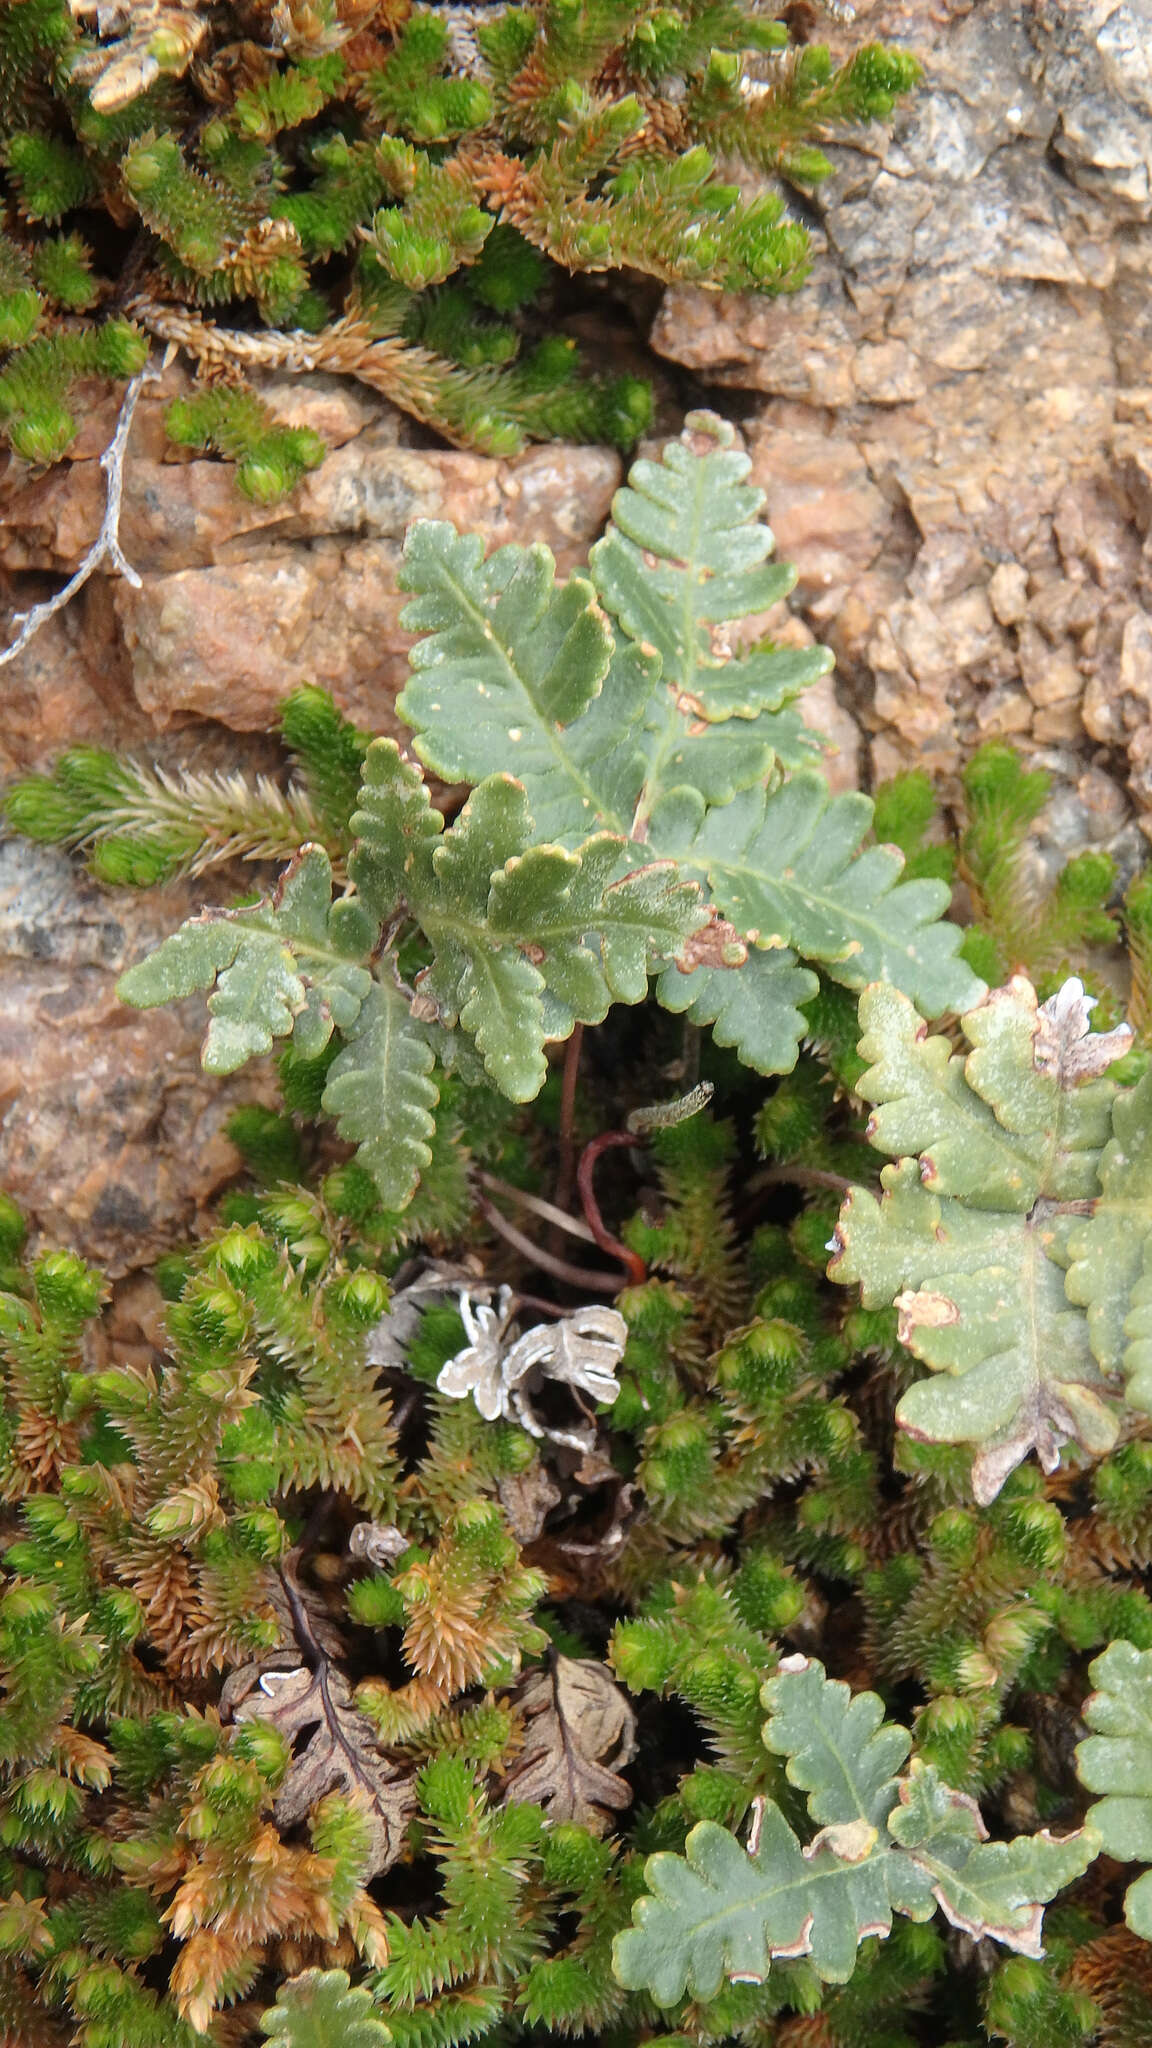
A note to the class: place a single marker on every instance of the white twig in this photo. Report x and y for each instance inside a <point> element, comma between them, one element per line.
<point>106,546</point>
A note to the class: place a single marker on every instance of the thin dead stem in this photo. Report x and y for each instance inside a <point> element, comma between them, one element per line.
<point>414,378</point>
<point>106,546</point>
<point>585,1277</point>
<point>585,1180</point>
<point>548,1210</point>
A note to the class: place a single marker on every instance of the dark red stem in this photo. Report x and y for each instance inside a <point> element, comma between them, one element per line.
<point>631,1261</point>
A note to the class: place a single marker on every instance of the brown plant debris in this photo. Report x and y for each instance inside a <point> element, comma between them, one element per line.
<point>579,1733</point>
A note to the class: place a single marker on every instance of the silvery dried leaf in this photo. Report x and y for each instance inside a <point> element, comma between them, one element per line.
<point>1063,1045</point>
<point>479,1368</point>
<point>156,38</point>
<point>389,1339</point>
<point>379,1543</point>
<point>580,1350</point>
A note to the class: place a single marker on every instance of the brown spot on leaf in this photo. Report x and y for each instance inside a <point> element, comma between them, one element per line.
<point>923,1310</point>
<point>716,944</point>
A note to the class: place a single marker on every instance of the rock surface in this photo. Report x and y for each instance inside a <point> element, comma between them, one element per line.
<point>238,602</point>
<point>955,432</point>
<point>111,1138</point>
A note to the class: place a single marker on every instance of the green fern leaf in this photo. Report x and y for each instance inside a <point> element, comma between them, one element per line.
<point>288,965</point>
<point>985,1888</point>
<point>686,550</point>
<point>970,1240</point>
<point>319,2009</point>
<point>886,1845</point>
<point>924,1103</point>
<point>757,1008</point>
<point>643,917</point>
<point>496,994</point>
<point>509,654</point>
<point>1116,1759</point>
<point>527,939</point>
<point>632,727</point>
<point>479,977</point>
<point>395,826</point>
<point>672,741</point>
<point>767,679</point>
<point>380,1092</point>
<point>591,776</point>
<point>841,1752</point>
<point>786,869</point>
<point>720,1911</point>
<point>1112,1253</point>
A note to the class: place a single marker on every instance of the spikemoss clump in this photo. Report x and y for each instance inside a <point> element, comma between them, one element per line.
<point>385,191</point>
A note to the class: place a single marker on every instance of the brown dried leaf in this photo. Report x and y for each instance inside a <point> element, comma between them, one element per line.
<point>151,38</point>
<point>340,1755</point>
<point>527,1498</point>
<point>579,1731</point>
<point>307,28</point>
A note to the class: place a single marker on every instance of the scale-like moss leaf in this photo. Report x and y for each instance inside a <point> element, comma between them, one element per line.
<point>1116,1759</point>
<point>380,1091</point>
<point>288,964</point>
<point>997,1152</point>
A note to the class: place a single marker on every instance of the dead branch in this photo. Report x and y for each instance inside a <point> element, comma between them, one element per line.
<point>411,377</point>
<point>106,546</point>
